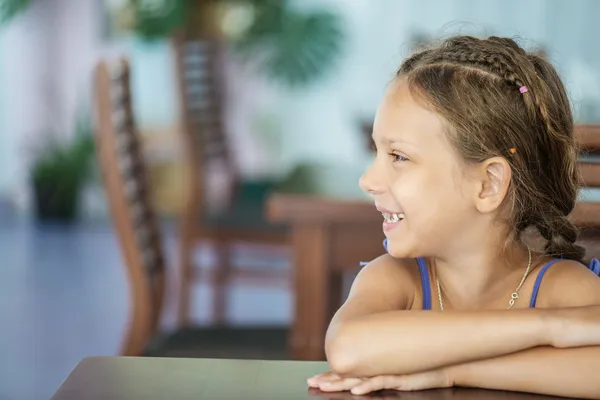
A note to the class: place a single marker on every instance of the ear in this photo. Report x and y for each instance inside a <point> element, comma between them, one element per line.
<point>492,185</point>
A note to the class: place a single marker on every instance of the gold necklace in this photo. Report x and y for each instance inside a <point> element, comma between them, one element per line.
<point>514,296</point>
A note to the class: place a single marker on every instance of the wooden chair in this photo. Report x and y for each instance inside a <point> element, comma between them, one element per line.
<point>136,226</point>
<point>242,219</point>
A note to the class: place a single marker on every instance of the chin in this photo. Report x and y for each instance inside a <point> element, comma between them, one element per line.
<point>400,248</point>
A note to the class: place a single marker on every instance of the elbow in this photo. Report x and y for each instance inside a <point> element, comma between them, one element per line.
<point>342,362</point>
<point>342,353</point>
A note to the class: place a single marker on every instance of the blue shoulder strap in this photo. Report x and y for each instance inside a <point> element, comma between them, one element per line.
<point>425,283</point>
<point>594,266</point>
<point>538,282</point>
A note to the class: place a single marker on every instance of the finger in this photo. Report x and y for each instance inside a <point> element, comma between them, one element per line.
<point>322,375</point>
<point>340,384</point>
<point>314,381</point>
<point>377,383</point>
<point>319,380</point>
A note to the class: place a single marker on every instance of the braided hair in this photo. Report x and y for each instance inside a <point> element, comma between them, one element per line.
<point>500,100</point>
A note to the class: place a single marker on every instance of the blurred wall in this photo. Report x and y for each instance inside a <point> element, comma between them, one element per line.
<point>6,157</point>
<point>24,48</point>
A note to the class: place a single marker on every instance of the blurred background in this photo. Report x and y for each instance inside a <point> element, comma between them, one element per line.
<point>166,165</point>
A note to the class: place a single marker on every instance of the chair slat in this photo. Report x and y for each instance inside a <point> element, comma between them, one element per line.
<point>590,174</point>
<point>587,211</point>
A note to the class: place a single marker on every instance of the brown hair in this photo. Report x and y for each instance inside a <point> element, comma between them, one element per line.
<point>474,84</point>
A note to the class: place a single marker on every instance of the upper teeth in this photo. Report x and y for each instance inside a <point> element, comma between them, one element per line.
<point>393,217</point>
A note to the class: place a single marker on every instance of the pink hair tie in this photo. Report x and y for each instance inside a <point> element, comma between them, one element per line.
<point>523,89</point>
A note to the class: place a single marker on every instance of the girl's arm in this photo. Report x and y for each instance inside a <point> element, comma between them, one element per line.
<point>405,342</point>
<point>557,372</point>
<point>566,372</point>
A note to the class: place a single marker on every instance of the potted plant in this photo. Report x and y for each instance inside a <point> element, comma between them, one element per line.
<point>58,173</point>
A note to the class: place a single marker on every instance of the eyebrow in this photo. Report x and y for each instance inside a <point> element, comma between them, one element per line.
<point>389,141</point>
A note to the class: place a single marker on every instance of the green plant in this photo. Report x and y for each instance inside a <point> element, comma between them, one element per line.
<point>11,8</point>
<point>59,172</point>
<point>151,20</point>
<point>294,47</point>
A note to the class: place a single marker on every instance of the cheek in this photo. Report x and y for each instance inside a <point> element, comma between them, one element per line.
<point>422,195</point>
<point>435,209</point>
<point>407,192</point>
<point>414,185</point>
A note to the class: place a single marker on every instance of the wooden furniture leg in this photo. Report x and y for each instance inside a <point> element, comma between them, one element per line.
<point>311,282</point>
<point>221,281</point>
<point>186,273</point>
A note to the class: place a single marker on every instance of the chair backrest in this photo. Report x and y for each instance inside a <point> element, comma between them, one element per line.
<point>587,212</point>
<point>125,180</point>
<point>588,137</point>
<point>199,65</point>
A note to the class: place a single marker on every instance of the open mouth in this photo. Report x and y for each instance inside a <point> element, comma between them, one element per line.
<point>392,218</point>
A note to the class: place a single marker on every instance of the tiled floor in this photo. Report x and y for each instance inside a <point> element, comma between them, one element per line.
<point>64,297</point>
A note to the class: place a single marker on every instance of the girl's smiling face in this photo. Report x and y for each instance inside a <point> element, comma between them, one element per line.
<point>418,180</point>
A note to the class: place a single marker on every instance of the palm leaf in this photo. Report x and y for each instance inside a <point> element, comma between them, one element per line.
<point>158,22</point>
<point>292,47</point>
<point>11,8</point>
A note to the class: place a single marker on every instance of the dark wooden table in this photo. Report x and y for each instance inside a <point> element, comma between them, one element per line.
<point>132,378</point>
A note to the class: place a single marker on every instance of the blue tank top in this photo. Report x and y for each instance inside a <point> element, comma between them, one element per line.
<point>426,288</point>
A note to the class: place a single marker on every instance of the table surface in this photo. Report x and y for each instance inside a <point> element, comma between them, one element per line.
<point>133,378</point>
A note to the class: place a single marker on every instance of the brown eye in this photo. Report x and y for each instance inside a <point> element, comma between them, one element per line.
<point>397,157</point>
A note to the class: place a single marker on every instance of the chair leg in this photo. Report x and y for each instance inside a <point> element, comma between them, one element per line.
<point>221,282</point>
<point>186,276</point>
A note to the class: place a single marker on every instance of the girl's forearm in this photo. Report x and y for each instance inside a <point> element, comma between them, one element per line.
<point>405,342</point>
<point>568,373</point>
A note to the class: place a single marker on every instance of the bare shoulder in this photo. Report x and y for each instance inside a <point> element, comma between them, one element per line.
<point>387,275</point>
<point>385,284</point>
<point>569,283</point>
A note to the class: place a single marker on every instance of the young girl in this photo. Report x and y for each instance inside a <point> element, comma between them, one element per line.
<point>475,161</point>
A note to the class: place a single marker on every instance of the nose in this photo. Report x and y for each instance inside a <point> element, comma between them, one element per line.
<point>371,181</point>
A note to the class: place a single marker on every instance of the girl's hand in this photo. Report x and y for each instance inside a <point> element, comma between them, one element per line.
<point>331,382</point>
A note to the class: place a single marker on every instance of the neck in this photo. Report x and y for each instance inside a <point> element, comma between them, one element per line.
<point>482,275</point>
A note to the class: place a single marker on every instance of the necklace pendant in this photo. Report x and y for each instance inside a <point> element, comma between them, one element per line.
<point>513,297</point>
